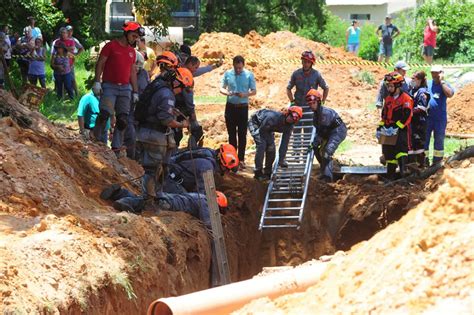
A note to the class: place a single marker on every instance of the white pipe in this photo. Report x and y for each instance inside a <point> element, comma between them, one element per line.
<point>231,297</point>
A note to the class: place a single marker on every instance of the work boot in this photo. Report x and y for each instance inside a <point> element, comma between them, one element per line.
<point>391,171</point>
<point>283,164</point>
<point>258,175</point>
<point>163,204</point>
<point>123,206</point>
<point>109,192</point>
<point>402,164</point>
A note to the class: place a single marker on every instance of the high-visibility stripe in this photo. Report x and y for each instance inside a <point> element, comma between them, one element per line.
<point>438,153</point>
<point>400,154</point>
<point>392,162</point>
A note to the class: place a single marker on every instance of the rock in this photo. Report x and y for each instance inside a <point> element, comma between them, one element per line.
<point>42,226</point>
<point>22,234</point>
<point>465,164</point>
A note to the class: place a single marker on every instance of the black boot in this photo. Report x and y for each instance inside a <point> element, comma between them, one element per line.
<point>391,171</point>
<point>402,164</point>
<point>421,159</point>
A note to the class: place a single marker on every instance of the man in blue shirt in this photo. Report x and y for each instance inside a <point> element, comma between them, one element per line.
<point>238,84</point>
<point>87,112</point>
<point>437,120</point>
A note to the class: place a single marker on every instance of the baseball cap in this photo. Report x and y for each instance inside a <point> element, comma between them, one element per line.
<point>402,65</point>
<point>388,16</point>
<point>69,27</point>
<point>437,68</point>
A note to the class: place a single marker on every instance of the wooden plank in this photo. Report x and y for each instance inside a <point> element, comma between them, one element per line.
<point>217,231</point>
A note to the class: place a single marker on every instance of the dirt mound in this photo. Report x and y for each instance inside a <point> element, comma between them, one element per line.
<point>268,58</point>
<point>461,111</point>
<point>422,263</point>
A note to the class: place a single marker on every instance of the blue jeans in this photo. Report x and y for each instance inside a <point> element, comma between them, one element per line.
<point>385,49</point>
<point>437,126</point>
<point>34,78</point>
<point>64,80</point>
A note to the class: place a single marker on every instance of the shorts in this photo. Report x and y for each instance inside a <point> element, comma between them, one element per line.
<point>353,47</point>
<point>428,51</point>
<point>385,49</point>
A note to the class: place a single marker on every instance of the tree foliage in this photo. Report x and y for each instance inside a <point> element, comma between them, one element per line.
<point>156,13</point>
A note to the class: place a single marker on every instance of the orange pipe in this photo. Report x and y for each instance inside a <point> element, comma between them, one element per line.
<point>231,297</point>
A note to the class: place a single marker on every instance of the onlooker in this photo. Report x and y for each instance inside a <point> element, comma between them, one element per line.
<point>386,33</point>
<point>421,97</point>
<point>62,70</point>
<point>116,67</point>
<point>304,79</point>
<point>23,48</point>
<point>87,112</point>
<point>353,37</point>
<point>439,90</point>
<point>148,54</point>
<point>193,64</point>
<point>238,84</point>
<point>78,49</point>
<point>6,43</point>
<point>35,31</point>
<point>429,40</point>
<point>36,70</point>
<point>402,68</point>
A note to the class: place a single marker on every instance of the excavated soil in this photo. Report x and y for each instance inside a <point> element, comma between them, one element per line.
<point>420,264</point>
<point>461,111</point>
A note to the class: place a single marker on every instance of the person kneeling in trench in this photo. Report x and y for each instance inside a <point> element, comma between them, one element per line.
<point>193,203</point>
<point>262,126</point>
<point>330,132</point>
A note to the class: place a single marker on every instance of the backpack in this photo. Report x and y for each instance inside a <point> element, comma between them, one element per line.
<point>141,109</point>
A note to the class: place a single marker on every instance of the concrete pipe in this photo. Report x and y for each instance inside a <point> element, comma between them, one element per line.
<point>231,297</point>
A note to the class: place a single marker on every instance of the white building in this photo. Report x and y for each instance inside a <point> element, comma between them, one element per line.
<point>373,11</point>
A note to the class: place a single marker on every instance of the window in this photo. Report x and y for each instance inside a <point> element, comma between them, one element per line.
<point>359,17</point>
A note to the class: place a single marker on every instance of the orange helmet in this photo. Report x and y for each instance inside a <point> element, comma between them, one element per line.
<point>308,55</point>
<point>133,27</point>
<point>296,112</point>
<point>167,58</point>
<point>185,77</point>
<point>313,96</point>
<point>221,199</point>
<point>228,156</point>
<point>394,78</point>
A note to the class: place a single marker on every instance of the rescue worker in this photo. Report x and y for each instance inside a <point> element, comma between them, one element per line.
<point>330,132</point>
<point>186,167</point>
<point>440,91</point>
<point>396,114</point>
<point>401,67</point>
<point>262,126</point>
<point>143,79</point>
<point>116,68</point>
<point>421,96</point>
<point>155,117</point>
<point>304,79</point>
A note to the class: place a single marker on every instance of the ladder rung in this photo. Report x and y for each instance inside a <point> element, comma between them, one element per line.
<point>284,192</point>
<point>280,226</point>
<point>292,217</point>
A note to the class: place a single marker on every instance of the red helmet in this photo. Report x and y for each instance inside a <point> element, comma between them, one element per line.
<point>296,112</point>
<point>394,78</point>
<point>228,156</point>
<point>133,27</point>
<point>308,55</point>
<point>167,58</point>
<point>221,200</point>
<point>185,77</point>
<point>313,96</point>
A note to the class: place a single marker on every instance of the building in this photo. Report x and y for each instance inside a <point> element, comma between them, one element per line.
<point>373,11</point>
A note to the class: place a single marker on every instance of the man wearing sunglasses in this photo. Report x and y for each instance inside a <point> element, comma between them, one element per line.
<point>262,126</point>
<point>116,80</point>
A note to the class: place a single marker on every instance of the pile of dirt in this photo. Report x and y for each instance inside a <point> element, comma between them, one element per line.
<point>461,111</point>
<point>63,249</point>
<point>349,94</point>
<point>422,263</point>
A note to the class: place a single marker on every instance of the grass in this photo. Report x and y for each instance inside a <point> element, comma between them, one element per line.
<point>208,99</point>
<point>344,146</point>
<point>453,145</point>
<point>365,77</point>
<point>121,278</point>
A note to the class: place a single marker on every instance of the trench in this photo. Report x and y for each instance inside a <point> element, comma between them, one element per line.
<point>328,226</point>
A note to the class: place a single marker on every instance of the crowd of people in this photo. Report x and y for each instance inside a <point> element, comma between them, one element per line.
<point>30,54</point>
<point>386,33</point>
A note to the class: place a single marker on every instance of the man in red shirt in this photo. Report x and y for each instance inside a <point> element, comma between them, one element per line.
<point>429,40</point>
<point>116,67</point>
<point>396,118</point>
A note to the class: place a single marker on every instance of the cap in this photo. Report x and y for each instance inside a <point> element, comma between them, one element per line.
<point>402,65</point>
<point>69,27</point>
<point>388,16</point>
<point>437,68</point>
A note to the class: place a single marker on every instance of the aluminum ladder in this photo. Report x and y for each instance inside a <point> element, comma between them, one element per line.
<point>288,187</point>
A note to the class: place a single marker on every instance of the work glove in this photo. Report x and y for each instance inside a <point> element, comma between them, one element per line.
<point>97,88</point>
<point>86,134</point>
<point>219,63</point>
<point>134,97</point>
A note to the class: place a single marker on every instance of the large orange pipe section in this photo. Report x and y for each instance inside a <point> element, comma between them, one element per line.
<point>231,297</point>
